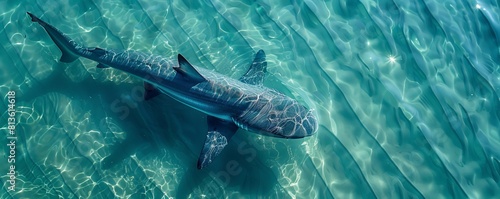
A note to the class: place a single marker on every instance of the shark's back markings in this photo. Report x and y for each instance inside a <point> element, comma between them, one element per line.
<point>230,104</point>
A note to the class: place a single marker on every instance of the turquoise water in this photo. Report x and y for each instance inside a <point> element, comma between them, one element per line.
<point>406,92</point>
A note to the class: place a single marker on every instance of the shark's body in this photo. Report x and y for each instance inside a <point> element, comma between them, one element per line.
<point>229,103</point>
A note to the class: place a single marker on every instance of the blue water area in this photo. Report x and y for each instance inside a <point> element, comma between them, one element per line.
<point>406,94</point>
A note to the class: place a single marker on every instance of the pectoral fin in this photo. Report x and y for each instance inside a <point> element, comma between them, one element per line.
<point>150,91</point>
<point>219,134</point>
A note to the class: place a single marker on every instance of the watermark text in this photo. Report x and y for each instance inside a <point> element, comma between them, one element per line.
<point>11,140</point>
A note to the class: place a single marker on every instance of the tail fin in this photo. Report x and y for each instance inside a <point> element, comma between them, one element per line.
<point>69,48</point>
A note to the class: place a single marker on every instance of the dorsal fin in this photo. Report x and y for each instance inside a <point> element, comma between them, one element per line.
<point>256,72</point>
<point>188,71</point>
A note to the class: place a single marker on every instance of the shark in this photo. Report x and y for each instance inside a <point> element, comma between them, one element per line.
<point>230,104</point>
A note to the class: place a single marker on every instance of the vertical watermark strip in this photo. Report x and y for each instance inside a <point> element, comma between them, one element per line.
<point>11,140</point>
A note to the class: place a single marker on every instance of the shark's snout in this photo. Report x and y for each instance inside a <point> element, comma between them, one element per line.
<point>279,116</point>
<point>298,123</point>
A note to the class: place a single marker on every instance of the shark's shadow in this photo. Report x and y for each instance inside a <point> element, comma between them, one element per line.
<point>238,168</point>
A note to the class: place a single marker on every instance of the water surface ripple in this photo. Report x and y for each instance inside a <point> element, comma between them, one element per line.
<point>406,92</point>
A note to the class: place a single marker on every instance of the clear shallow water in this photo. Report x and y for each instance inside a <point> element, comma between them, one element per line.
<point>406,93</point>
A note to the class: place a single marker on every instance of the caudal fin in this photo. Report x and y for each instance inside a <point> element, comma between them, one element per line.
<point>70,50</point>
<point>33,17</point>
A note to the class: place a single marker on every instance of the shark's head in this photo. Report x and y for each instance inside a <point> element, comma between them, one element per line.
<point>279,116</point>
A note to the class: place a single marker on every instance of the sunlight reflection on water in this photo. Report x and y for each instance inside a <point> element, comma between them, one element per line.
<point>406,94</point>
